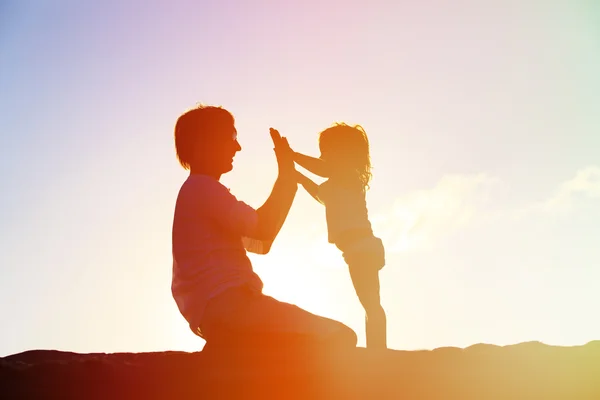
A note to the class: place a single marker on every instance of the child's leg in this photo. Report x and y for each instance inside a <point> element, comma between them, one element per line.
<point>366,284</point>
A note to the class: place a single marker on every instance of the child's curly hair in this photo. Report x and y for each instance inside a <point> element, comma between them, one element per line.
<point>351,148</point>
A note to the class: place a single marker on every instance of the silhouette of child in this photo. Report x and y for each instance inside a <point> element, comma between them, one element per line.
<point>345,161</point>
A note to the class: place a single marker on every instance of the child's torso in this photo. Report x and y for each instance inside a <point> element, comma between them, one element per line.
<point>346,212</point>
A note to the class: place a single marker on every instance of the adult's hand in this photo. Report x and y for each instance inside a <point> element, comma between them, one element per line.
<point>272,214</point>
<point>284,154</point>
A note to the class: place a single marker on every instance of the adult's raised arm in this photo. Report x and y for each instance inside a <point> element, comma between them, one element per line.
<point>272,214</point>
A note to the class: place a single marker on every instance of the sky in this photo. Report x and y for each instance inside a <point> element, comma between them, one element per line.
<point>483,121</point>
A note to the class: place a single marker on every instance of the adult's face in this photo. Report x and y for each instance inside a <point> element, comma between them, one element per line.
<point>218,149</point>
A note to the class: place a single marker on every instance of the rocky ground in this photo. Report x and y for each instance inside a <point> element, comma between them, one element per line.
<point>523,371</point>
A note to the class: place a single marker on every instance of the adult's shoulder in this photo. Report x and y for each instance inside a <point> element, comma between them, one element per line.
<point>204,186</point>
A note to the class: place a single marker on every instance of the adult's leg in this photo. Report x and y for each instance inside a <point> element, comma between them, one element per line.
<point>366,284</point>
<point>242,317</point>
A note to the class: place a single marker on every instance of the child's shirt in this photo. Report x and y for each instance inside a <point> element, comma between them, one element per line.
<point>345,208</point>
<point>208,251</point>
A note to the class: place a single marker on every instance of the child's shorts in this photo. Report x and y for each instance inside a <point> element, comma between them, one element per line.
<point>368,252</point>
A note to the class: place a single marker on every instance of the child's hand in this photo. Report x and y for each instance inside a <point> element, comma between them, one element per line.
<point>289,149</point>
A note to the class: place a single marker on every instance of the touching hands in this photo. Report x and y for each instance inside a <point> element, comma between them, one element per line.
<point>284,155</point>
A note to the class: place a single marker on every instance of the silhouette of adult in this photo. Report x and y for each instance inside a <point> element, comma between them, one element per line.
<point>213,283</point>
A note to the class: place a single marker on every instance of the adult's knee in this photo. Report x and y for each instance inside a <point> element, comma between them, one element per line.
<point>339,336</point>
<point>346,336</point>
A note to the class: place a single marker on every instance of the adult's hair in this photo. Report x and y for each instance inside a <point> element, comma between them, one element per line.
<point>198,123</point>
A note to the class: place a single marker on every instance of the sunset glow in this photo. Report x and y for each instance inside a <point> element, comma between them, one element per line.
<point>483,123</point>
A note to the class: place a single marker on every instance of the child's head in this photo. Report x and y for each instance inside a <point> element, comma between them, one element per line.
<point>346,149</point>
<point>206,138</point>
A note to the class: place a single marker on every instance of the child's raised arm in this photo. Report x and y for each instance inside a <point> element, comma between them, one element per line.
<point>311,187</point>
<point>312,164</point>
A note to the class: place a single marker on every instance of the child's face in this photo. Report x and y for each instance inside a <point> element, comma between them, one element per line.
<point>328,153</point>
<point>335,163</point>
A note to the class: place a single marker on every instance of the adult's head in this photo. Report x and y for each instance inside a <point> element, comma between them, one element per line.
<point>206,140</point>
<point>346,149</point>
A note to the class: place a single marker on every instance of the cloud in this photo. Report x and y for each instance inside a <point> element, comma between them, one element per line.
<point>421,218</point>
<point>586,183</point>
